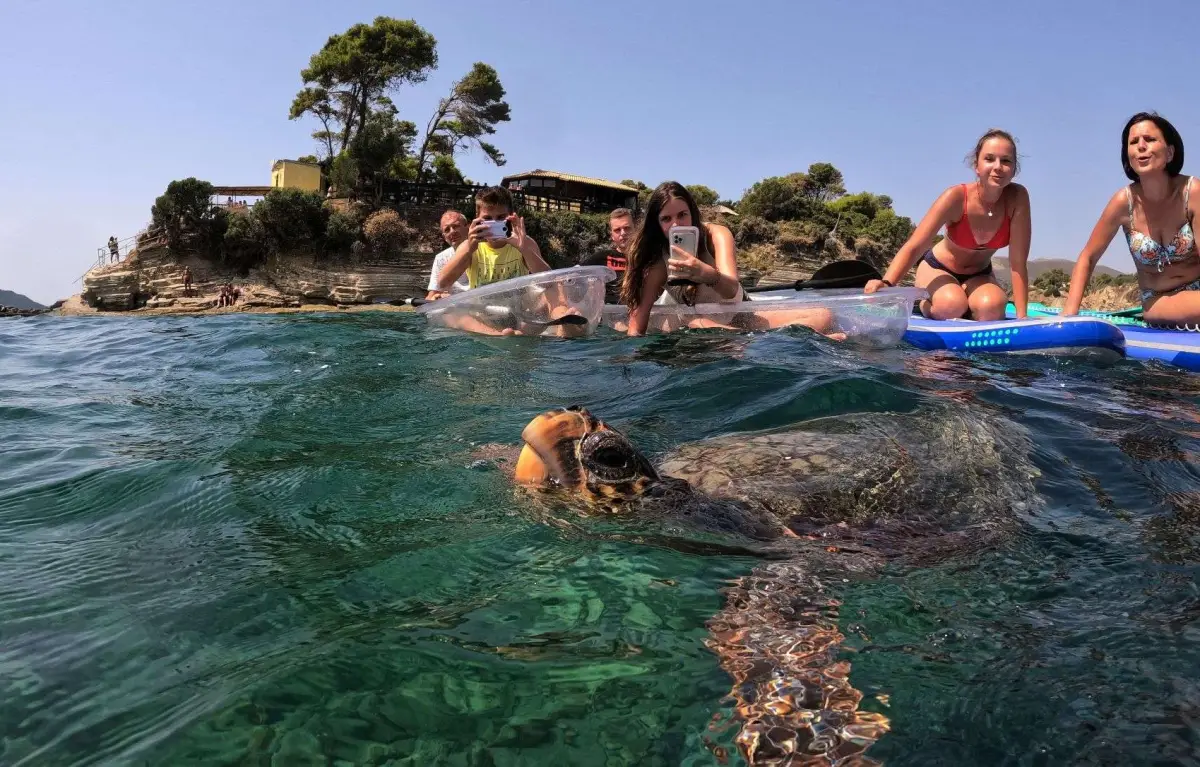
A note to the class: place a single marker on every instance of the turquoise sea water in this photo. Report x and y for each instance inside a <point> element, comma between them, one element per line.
<point>249,540</point>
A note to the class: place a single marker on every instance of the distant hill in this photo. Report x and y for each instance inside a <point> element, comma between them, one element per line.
<point>18,301</point>
<point>1039,266</point>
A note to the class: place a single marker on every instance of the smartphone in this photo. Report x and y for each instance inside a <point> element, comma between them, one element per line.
<point>686,238</point>
<point>497,229</point>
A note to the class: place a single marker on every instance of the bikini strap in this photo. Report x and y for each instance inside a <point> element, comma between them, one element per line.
<point>1129,199</point>
<point>965,193</point>
<point>1187,188</point>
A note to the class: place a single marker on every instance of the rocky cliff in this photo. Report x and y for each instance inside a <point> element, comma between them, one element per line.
<point>153,279</point>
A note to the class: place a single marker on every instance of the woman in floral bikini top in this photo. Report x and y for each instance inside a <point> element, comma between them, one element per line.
<point>1156,201</point>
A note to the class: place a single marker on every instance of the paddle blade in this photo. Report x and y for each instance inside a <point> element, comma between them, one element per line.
<point>850,273</point>
<point>569,319</point>
<point>850,269</point>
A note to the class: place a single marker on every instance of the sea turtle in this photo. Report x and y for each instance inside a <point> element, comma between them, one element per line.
<point>830,498</point>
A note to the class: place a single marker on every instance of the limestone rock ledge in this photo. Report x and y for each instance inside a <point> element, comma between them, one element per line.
<point>153,279</point>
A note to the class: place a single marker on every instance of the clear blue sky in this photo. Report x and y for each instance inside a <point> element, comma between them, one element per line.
<point>105,103</point>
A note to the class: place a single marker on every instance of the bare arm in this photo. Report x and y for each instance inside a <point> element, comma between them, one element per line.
<point>725,280</point>
<point>458,263</point>
<point>939,214</point>
<point>530,252</point>
<point>533,256</point>
<point>1018,250</point>
<point>1115,214</point>
<point>652,286</point>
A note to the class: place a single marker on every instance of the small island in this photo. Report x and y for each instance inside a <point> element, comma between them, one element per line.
<point>356,226</point>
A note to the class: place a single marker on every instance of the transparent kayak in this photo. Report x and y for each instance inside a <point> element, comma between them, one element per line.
<point>532,305</point>
<point>879,318</point>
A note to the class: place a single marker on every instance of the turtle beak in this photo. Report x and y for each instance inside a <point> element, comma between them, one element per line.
<point>551,451</point>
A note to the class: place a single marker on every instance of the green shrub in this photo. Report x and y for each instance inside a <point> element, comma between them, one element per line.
<point>753,230</point>
<point>186,213</point>
<point>1053,282</point>
<point>293,219</point>
<point>341,232</point>
<point>873,252</point>
<point>1109,280</point>
<point>246,243</point>
<point>796,237</point>
<point>756,260</point>
<point>565,237</point>
<point>386,233</point>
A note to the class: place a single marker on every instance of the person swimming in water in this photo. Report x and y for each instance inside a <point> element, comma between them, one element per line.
<point>980,218</point>
<point>1156,211</point>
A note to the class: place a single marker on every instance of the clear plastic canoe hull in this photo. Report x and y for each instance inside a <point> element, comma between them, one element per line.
<point>879,318</point>
<point>526,304</point>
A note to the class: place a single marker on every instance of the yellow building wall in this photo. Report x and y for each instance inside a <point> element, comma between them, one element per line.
<point>293,175</point>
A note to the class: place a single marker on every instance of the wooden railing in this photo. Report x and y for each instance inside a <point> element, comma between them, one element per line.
<point>405,194</point>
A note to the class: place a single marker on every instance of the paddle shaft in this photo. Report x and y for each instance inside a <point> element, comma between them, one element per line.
<point>839,274</point>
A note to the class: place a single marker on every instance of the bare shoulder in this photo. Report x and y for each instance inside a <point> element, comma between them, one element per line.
<point>1117,208</point>
<point>718,230</point>
<point>952,200</point>
<point>1018,198</point>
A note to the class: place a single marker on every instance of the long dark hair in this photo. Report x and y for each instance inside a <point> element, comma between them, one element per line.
<point>1170,135</point>
<point>649,243</point>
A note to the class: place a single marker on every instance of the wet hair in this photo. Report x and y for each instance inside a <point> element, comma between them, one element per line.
<point>649,243</point>
<point>493,195</point>
<point>1170,135</point>
<point>973,155</point>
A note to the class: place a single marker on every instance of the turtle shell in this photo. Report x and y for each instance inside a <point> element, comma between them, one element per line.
<point>943,470</point>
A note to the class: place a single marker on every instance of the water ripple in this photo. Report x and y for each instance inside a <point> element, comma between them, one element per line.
<point>253,539</point>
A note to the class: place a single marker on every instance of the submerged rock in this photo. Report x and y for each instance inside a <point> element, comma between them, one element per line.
<point>12,311</point>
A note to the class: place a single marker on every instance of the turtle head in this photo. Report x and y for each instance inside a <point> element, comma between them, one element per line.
<point>572,449</point>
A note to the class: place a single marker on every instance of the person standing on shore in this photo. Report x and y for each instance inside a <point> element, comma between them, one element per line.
<point>453,227</point>
<point>620,230</point>
<point>980,218</point>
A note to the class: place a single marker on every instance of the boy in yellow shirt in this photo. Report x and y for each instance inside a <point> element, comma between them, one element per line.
<point>486,258</point>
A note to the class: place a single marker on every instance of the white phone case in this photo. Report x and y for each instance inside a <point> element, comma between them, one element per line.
<point>686,237</point>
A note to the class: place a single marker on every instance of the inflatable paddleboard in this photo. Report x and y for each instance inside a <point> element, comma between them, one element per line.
<point>531,305</point>
<point>1089,337</point>
<point>1174,347</point>
<point>879,318</point>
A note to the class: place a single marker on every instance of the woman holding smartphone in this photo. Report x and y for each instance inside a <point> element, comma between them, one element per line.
<point>707,275</point>
<point>712,271</point>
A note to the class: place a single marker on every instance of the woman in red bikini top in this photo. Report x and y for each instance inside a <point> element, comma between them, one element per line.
<point>979,218</point>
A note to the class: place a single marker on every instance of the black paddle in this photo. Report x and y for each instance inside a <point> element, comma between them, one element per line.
<point>566,319</point>
<point>851,273</point>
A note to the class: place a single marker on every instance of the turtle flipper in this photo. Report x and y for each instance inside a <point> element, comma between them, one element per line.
<point>778,637</point>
